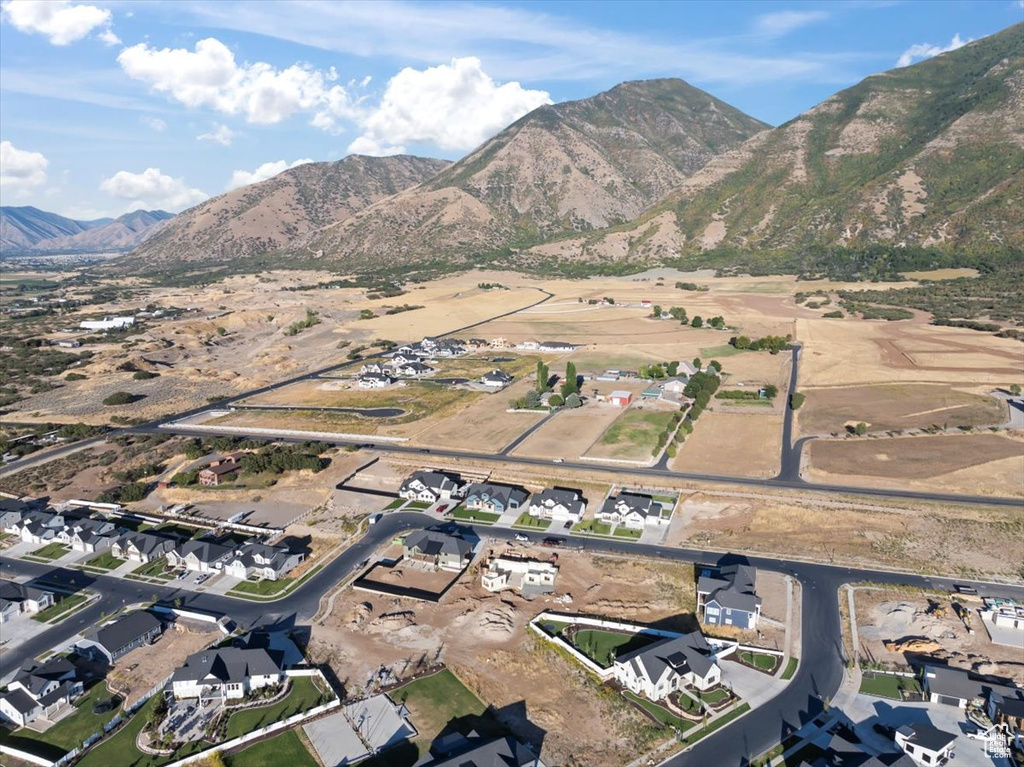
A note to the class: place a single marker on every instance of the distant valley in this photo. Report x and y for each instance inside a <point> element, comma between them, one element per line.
<point>28,230</point>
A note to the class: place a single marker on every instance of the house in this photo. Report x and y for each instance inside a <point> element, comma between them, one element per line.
<point>17,598</point>
<point>107,323</point>
<point>629,510</point>
<point>200,556</point>
<point>40,690</point>
<point>558,504</point>
<point>88,535</point>
<point>431,547</point>
<point>667,665</point>
<point>529,345</point>
<point>557,346</point>
<point>374,381</point>
<point>651,392</point>
<point>477,343</point>
<point>958,687</point>
<point>499,343</point>
<point>496,499</point>
<point>224,674</point>
<point>496,379</point>
<point>371,367</point>
<point>686,369</point>
<point>839,751</point>
<point>431,487</point>
<point>212,476</point>
<point>257,560</point>
<point>37,527</point>
<point>524,575</point>
<point>1007,709</point>
<point>620,398</point>
<point>141,547</point>
<point>728,597</point>
<point>110,642</point>
<point>474,750</point>
<point>414,368</point>
<point>925,744</point>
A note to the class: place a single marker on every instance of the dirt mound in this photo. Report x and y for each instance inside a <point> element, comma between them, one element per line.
<point>360,614</point>
<point>394,621</point>
<point>914,645</point>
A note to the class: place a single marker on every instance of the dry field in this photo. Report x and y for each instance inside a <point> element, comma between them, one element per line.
<point>483,637</point>
<point>732,444</point>
<point>897,406</point>
<point>975,464</point>
<point>570,432</point>
<point>892,616</point>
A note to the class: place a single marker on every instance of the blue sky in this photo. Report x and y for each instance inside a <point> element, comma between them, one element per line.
<point>111,106</point>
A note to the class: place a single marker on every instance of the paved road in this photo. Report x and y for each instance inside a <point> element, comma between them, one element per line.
<point>789,463</point>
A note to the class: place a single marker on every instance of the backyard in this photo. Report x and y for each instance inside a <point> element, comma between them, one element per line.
<point>303,696</point>
<point>603,646</point>
<point>70,731</point>
<point>887,686</point>
<point>434,701</point>
<point>284,749</point>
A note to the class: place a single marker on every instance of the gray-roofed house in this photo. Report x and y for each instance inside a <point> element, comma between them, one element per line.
<point>374,381</point>
<point>200,556</point>
<point>110,642</point>
<point>17,598</point>
<point>496,499</point>
<point>40,690</point>
<point>225,673</point>
<point>447,552</point>
<point>431,487</point>
<point>558,504</point>
<point>668,665</point>
<point>728,597</point>
<point>630,510</point>
<point>88,535</point>
<point>496,379</point>
<point>257,560</point>
<point>474,750</point>
<point>556,346</point>
<point>413,368</point>
<point>958,687</point>
<point>142,547</point>
<point>1005,708</point>
<point>924,743</point>
<point>38,527</point>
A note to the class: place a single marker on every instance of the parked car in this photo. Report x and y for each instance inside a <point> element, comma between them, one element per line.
<point>374,519</point>
<point>965,589</point>
<point>567,525</point>
<point>557,460</point>
<point>442,508</point>
<point>522,538</point>
<point>884,729</point>
<point>553,542</point>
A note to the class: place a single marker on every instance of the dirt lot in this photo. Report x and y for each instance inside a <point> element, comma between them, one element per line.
<point>893,616</point>
<point>484,638</point>
<point>570,432</point>
<point>410,576</point>
<point>736,444</point>
<point>897,406</point>
<point>159,659</point>
<point>979,464</point>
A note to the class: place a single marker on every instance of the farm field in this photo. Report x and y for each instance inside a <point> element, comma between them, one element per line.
<point>570,432</point>
<point>633,435</point>
<point>735,444</point>
<point>897,406</point>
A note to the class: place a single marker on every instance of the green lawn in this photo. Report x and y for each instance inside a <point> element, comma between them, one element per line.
<point>660,713</point>
<point>483,517</point>
<point>886,686</point>
<point>713,696</point>
<point>716,352</point>
<point>262,588</point>
<point>626,532</point>
<point>70,731</point>
<point>283,749</point>
<point>417,505</point>
<point>790,668</point>
<point>633,435</point>
<point>720,722</point>
<point>395,504</point>
<point>64,607</point>
<point>105,561</point>
<point>155,569</point>
<point>530,522</point>
<point>434,701</point>
<point>303,696</point>
<point>120,749</point>
<point>759,660</point>
<point>601,646</point>
<point>553,627</point>
<point>50,552</point>
<point>592,527</point>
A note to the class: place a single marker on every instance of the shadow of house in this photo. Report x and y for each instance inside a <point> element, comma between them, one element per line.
<point>297,544</point>
<point>682,623</point>
<point>516,718</point>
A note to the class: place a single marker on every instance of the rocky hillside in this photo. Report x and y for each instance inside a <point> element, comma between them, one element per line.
<point>284,211</point>
<point>930,155</point>
<point>574,166</point>
<point>30,230</point>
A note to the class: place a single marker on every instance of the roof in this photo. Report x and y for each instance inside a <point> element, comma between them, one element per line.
<point>1009,705</point>
<point>35,677</point>
<point>734,588</point>
<point>433,543</point>
<point>497,375</point>
<point>958,683</point>
<point>224,468</point>
<point>553,496</point>
<point>506,494</point>
<point>20,701</point>
<point>689,652</point>
<point>435,480</point>
<point>641,504</point>
<point>227,665</point>
<point>124,631</point>
<point>475,751</point>
<point>146,543</point>
<point>19,592</point>
<point>619,394</point>
<point>926,736</point>
<point>205,551</point>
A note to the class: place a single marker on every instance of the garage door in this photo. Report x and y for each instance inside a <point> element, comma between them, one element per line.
<point>949,701</point>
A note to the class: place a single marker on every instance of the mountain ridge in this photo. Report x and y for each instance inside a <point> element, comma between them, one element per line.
<point>27,229</point>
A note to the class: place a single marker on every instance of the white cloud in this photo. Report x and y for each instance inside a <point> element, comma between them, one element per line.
<point>152,189</point>
<point>107,37</point>
<point>59,20</point>
<point>210,77</point>
<point>21,170</point>
<point>782,23</point>
<point>154,123</point>
<point>920,51</point>
<point>222,134</point>
<point>262,173</point>
<point>454,106</point>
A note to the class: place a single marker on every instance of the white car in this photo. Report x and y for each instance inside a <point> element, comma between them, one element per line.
<point>521,537</point>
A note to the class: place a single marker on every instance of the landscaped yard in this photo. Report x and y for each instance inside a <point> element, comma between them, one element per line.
<point>395,504</point>
<point>886,686</point>
<point>105,561</point>
<point>526,520</point>
<point>416,505</point>
<point>790,668</point>
<point>633,435</point>
<point>120,749</point>
<point>283,749</point>
<point>483,517</point>
<point>713,696</point>
<point>434,701</point>
<point>602,646</point>
<point>50,552</point>
<point>303,696</point>
<point>263,587</point>
<point>155,569</point>
<point>553,627</point>
<point>627,532</point>
<point>592,527</point>
<point>762,661</point>
<point>63,607</point>
<point>660,713</point>
<point>70,731</point>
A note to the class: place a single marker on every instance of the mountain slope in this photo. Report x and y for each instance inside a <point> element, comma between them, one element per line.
<point>931,155</point>
<point>123,233</point>
<point>283,211</point>
<point>573,166</point>
<point>21,228</point>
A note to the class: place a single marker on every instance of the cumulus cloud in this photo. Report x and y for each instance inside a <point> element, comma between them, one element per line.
<point>209,76</point>
<point>920,51</point>
<point>152,189</point>
<point>21,170</point>
<point>782,23</point>
<point>221,134</point>
<point>154,123</point>
<point>59,20</point>
<point>262,173</point>
<point>108,37</point>
<point>455,106</point>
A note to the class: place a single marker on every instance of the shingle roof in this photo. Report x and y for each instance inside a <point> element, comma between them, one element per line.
<point>505,494</point>
<point>20,701</point>
<point>479,752</point>
<point>689,652</point>
<point>571,499</point>
<point>205,551</point>
<point>927,736</point>
<point>733,589</point>
<point>641,504</point>
<point>229,665</point>
<point>122,632</point>
<point>958,683</point>
<point>433,543</point>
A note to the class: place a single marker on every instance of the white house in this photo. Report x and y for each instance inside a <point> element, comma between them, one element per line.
<point>107,323</point>
<point>519,574</point>
<point>17,598</point>
<point>496,379</point>
<point>374,381</point>
<point>630,510</point>
<point>40,690</point>
<point>431,487</point>
<point>667,665</point>
<point>256,560</point>
<point>88,535</point>
<point>141,547</point>
<point>558,504</point>
<point>200,556</point>
<point>225,674</point>
<point>925,744</point>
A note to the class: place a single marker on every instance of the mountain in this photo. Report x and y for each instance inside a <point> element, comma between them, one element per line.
<point>284,210</point>
<point>573,166</point>
<point>30,230</point>
<point>926,155</point>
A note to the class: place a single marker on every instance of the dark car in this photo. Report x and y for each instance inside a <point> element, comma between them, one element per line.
<point>553,542</point>
<point>884,729</point>
<point>567,525</point>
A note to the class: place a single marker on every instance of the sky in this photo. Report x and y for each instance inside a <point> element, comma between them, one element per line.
<point>107,107</point>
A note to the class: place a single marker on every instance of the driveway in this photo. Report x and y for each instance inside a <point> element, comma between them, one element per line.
<point>750,684</point>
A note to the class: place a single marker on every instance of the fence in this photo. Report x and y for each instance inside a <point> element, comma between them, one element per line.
<point>26,757</point>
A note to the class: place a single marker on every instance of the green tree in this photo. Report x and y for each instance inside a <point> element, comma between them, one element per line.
<point>571,379</point>
<point>543,374</point>
<point>796,399</point>
<point>740,342</point>
<point>122,398</point>
<point>555,400</point>
<point>573,401</point>
<point>1014,390</point>
<point>716,365</point>
<point>532,398</point>
<point>672,368</point>
<point>697,322</point>
<point>771,391</point>
<point>222,331</point>
<point>717,322</point>
<point>657,310</point>
<point>860,429</point>
<point>696,362</point>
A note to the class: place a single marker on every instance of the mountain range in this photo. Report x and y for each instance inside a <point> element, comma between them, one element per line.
<point>31,230</point>
<point>927,155</point>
